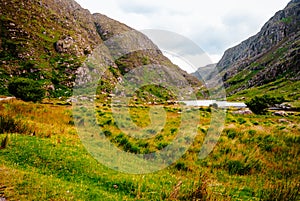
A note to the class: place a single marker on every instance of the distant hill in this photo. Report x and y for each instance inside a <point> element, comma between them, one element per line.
<point>271,58</point>
<point>49,41</point>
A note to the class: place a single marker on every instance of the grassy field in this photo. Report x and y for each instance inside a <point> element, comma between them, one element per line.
<point>283,87</point>
<point>43,158</point>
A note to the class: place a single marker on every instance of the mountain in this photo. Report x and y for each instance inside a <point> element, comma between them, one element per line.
<point>205,72</point>
<point>269,57</point>
<point>50,40</point>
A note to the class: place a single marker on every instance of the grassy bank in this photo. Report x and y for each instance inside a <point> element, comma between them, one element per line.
<point>256,158</point>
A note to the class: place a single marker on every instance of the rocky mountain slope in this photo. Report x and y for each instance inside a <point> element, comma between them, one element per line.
<point>49,41</point>
<point>272,54</point>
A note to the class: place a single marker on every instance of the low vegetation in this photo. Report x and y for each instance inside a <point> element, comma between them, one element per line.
<point>26,89</point>
<point>260,104</point>
<point>42,157</point>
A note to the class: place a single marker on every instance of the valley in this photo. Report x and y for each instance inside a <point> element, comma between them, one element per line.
<point>91,109</point>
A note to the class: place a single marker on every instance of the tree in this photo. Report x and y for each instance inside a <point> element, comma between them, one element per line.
<point>26,89</point>
<point>260,104</point>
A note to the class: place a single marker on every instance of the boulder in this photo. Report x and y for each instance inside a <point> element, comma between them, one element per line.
<point>283,121</point>
<point>64,45</point>
<point>243,112</point>
<point>280,113</point>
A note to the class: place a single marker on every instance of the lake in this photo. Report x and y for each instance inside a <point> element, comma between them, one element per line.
<point>207,103</point>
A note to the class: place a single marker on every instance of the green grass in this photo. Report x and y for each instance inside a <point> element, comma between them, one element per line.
<point>256,158</point>
<point>286,88</point>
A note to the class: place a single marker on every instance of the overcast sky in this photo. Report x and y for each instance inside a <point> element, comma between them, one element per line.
<point>214,25</point>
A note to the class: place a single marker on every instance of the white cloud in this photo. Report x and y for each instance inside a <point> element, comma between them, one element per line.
<point>214,25</point>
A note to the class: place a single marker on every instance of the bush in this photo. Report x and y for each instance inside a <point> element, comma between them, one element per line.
<point>259,104</point>
<point>10,125</point>
<point>162,145</point>
<point>241,120</point>
<point>26,89</point>
<point>4,142</point>
<point>244,167</point>
<point>237,167</point>
<point>181,166</point>
<point>231,133</point>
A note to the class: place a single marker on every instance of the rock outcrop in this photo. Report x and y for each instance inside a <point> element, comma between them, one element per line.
<point>283,25</point>
<point>270,55</point>
<point>50,40</point>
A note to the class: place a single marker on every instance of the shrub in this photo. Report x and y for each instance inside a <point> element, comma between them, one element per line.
<point>244,167</point>
<point>241,120</point>
<point>252,132</point>
<point>236,167</point>
<point>10,125</point>
<point>134,149</point>
<point>107,133</point>
<point>162,145</point>
<point>231,133</point>
<point>26,89</point>
<point>4,142</point>
<point>259,104</point>
<point>181,166</point>
<point>159,137</point>
<point>214,105</point>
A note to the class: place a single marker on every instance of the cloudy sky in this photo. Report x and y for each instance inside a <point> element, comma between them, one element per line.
<point>214,25</point>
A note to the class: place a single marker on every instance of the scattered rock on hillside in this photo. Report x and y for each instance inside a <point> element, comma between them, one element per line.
<point>243,112</point>
<point>283,121</point>
<point>62,46</point>
<point>280,113</point>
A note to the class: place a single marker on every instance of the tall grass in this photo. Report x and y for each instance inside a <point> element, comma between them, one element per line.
<point>9,124</point>
<point>254,159</point>
<point>283,191</point>
<point>37,119</point>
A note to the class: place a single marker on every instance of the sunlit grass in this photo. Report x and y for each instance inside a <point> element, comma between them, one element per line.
<point>256,158</point>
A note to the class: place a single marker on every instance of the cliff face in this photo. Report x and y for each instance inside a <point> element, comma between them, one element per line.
<point>44,40</point>
<point>283,25</point>
<point>270,55</point>
<point>49,40</point>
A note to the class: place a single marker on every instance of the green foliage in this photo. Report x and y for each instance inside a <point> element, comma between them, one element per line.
<point>4,142</point>
<point>199,191</point>
<point>285,191</point>
<point>241,120</point>
<point>237,167</point>
<point>252,132</point>
<point>162,145</point>
<point>9,125</point>
<point>107,133</point>
<point>181,166</point>
<point>26,89</point>
<point>154,93</point>
<point>231,133</point>
<point>145,60</point>
<point>242,167</point>
<point>259,104</point>
<point>287,20</point>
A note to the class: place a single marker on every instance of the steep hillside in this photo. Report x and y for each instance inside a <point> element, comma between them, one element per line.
<point>49,40</point>
<point>271,55</point>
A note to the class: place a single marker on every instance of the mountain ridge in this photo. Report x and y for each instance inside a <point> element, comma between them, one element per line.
<point>50,40</point>
<point>270,55</point>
